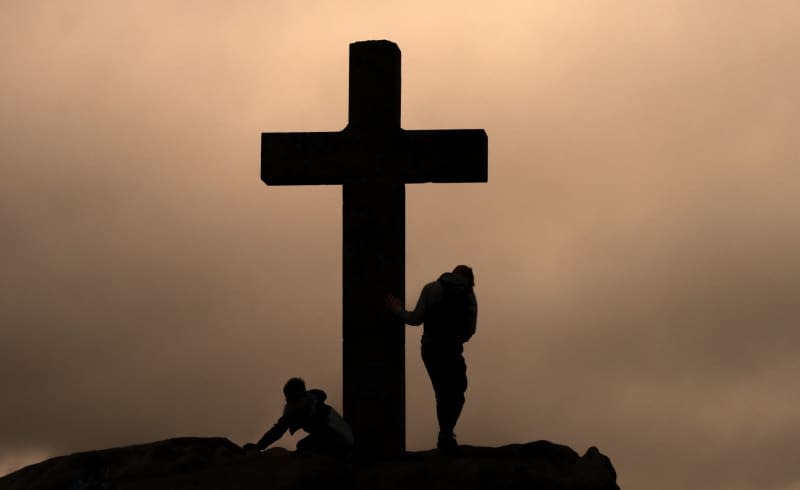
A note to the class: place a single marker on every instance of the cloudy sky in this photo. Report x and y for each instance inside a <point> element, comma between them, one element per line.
<point>635,249</point>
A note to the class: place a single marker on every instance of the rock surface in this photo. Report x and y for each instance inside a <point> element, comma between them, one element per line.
<point>217,463</point>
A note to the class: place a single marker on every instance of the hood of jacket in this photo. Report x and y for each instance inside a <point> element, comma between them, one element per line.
<point>452,279</point>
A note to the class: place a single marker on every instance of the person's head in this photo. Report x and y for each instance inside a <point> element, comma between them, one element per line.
<point>294,389</point>
<point>465,272</point>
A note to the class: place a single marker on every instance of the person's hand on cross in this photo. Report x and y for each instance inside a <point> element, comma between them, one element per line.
<point>393,304</point>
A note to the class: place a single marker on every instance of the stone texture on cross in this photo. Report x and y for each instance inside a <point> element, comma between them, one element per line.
<point>373,158</point>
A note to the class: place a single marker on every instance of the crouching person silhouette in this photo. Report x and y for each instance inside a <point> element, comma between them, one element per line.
<point>449,310</point>
<point>328,433</point>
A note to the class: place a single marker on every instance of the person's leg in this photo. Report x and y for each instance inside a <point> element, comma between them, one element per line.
<point>447,371</point>
<point>454,387</point>
<point>433,364</point>
<point>308,444</point>
<point>323,442</point>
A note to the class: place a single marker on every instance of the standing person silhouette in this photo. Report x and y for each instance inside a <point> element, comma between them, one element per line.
<point>449,310</point>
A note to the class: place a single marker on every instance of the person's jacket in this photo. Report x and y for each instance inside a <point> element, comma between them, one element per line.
<point>311,414</point>
<point>431,297</point>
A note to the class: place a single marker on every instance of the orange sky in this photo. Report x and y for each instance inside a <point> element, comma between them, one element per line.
<point>635,249</point>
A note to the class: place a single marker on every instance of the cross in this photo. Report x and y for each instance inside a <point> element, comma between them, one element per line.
<point>373,158</point>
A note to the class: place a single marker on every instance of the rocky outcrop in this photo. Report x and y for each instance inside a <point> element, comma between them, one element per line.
<point>217,463</point>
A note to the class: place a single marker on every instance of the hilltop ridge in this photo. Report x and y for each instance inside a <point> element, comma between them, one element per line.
<point>217,463</point>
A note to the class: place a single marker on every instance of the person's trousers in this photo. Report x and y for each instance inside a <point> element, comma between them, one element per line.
<point>322,442</point>
<point>448,373</point>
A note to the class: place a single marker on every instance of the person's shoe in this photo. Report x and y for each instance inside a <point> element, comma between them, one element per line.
<point>447,444</point>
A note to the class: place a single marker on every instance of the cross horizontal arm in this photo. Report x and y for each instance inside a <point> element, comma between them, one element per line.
<point>453,155</point>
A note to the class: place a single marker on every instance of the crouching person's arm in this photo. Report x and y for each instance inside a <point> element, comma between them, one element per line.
<point>276,432</point>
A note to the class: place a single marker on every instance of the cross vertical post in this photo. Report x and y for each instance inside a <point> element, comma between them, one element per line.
<point>374,263</point>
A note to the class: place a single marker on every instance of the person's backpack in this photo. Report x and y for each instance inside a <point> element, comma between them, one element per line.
<point>451,318</point>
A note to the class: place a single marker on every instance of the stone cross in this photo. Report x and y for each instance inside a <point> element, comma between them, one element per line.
<point>373,158</point>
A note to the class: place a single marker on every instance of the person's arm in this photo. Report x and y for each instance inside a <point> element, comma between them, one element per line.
<point>417,316</point>
<point>276,432</point>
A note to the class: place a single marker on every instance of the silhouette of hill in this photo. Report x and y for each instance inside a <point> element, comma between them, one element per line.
<point>217,463</point>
